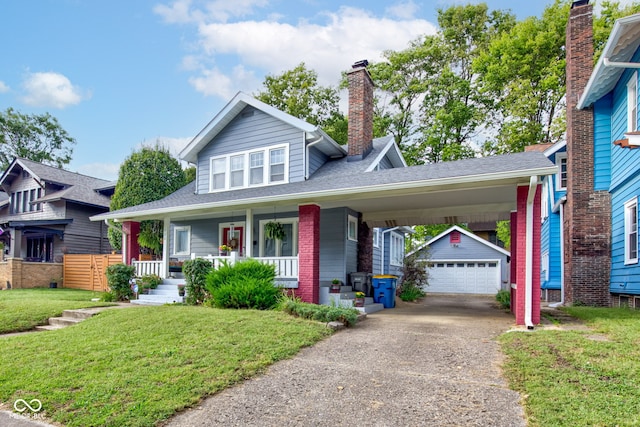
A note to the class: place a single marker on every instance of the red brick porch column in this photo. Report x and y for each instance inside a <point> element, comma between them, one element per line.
<point>309,253</point>
<point>520,242</point>
<point>130,246</point>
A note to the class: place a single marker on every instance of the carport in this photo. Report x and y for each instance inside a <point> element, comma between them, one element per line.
<point>471,190</point>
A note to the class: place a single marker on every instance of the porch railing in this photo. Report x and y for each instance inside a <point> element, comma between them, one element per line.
<point>286,267</point>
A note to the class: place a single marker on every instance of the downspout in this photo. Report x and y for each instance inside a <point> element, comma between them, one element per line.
<point>306,157</point>
<point>124,249</point>
<point>382,249</point>
<point>528,301</point>
<point>608,63</point>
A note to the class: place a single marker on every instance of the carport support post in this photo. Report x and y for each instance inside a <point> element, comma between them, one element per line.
<point>130,246</point>
<point>527,303</point>
<point>309,253</point>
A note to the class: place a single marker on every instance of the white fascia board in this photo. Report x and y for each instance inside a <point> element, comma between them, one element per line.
<point>554,148</point>
<point>519,174</point>
<point>391,146</point>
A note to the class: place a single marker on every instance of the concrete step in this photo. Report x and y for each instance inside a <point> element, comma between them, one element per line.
<point>164,291</point>
<point>78,314</point>
<point>64,321</point>
<point>48,327</point>
<point>370,308</point>
<point>158,299</point>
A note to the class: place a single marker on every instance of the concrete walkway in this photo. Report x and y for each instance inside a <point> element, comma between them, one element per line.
<point>430,364</point>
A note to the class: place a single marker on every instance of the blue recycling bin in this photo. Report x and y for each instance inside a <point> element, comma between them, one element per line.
<point>384,289</point>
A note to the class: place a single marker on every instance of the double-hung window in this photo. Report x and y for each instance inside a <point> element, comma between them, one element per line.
<point>249,168</point>
<point>632,103</point>
<point>631,231</point>
<point>352,228</point>
<point>397,249</point>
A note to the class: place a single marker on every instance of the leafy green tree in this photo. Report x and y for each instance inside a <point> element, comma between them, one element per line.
<point>603,23</point>
<point>298,93</point>
<point>503,232</point>
<point>37,137</point>
<point>190,174</point>
<point>145,176</point>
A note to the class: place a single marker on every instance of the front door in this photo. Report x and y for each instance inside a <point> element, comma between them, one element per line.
<point>234,239</point>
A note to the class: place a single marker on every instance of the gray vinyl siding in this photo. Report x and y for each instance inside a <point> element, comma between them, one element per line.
<point>252,129</point>
<point>385,163</point>
<point>84,236</point>
<point>468,249</point>
<point>377,257</point>
<point>333,248</point>
<point>316,160</point>
<point>49,210</point>
<point>204,237</point>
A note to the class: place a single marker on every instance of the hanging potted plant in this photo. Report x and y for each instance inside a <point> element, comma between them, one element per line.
<point>274,230</point>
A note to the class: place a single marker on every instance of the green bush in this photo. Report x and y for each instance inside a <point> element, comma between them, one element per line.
<point>410,292</point>
<point>195,274</point>
<point>149,281</point>
<point>119,277</point>
<point>319,313</point>
<point>246,284</point>
<point>108,297</point>
<point>504,298</point>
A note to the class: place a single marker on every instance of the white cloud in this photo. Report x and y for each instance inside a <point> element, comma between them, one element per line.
<point>406,10</point>
<point>51,90</point>
<point>346,36</point>
<point>213,82</point>
<point>108,171</point>
<point>180,11</point>
<point>3,87</point>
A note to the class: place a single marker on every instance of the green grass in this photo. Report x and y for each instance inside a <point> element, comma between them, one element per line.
<point>138,366</point>
<point>24,309</point>
<point>568,379</point>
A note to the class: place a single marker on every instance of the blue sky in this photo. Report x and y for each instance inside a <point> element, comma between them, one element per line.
<point>121,73</point>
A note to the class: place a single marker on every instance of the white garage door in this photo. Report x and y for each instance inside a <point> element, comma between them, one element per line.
<point>469,277</point>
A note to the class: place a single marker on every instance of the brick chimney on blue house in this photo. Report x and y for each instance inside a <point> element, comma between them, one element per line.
<point>360,132</point>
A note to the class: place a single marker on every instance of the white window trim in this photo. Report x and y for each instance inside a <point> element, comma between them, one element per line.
<point>352,220</point>
<point>633,203</point>
<point>376,237</point>
<point>544,203</point>
<point>266,177</point>
<point>545,266</point>
<point>294,239</point>
<point>186,228</point>
<point>632,104</point>
<point>396,247</point>
<point>559,158</point>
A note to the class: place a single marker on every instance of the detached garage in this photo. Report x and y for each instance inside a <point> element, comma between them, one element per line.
<point>460,262</point>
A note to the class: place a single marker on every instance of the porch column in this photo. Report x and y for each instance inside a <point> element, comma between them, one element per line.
<point>130,246</point>
<point>166,244</point>
<point>527,241</point>
<point>248,234</point>
<point>309,253</point>
<point>514,260</point>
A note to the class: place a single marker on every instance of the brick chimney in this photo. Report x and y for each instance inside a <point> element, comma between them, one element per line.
<point>587,225</point>
<point>360,134</point>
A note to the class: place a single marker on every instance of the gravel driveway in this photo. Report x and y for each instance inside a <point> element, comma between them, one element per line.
<point>430,364</point>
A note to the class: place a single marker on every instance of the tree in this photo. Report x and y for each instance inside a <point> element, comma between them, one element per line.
<point>145,176</point>
<point>298,93</point>
<point>189,174</point>
<point>35,137</point>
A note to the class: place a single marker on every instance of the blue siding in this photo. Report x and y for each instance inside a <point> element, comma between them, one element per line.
<point>333,248</point>
<point>316,159</point>
<point>624,278</point>
<point>602,143</point>
<point>250,131</point>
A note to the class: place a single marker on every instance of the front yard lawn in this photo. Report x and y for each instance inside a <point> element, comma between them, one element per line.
<point>577,378</point>
<point>24,309</point>
<point>138,366</point>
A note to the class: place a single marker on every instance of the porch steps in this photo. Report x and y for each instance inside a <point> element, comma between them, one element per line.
<point>166,293</point>
<point>346,297</point>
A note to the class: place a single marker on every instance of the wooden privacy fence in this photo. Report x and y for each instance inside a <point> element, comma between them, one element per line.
<point>86,271</point>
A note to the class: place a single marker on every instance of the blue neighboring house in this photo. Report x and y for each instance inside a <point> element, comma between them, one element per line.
<point>612,94</point>
<point>554,195</point>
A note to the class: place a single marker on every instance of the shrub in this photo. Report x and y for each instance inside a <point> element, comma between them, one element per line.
<point>414,275</point>
<point>319,313</point>
<point>504,298</point>
<point>108,297</point>
<point>195,274</point>
<point>149,281</point>
<point>245,284</point>
<point>119,277</point>
<point>410,292</point>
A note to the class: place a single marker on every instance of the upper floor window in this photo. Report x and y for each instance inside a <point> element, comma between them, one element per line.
<point>248,169</point>
<point>561,177</point>
<point>631,231</point>
<point>632,103</point>
<point>23,201</point>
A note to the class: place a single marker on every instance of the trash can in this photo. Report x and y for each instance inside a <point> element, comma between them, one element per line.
<point>361,282</point>
<point>384,289</point>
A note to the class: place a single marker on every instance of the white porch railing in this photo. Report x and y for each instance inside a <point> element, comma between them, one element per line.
<point>286,267</point>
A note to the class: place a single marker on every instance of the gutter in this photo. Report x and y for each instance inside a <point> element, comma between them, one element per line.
<point>608,63</point>
<point>306,156</point>
<point>330,193</point>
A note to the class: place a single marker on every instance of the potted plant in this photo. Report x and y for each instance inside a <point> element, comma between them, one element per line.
<point>53,282</point>
<point>335,286</point>
<point>359,300</point>
<point>274,230</point>
<point>224,249</point>
<point>181,290</point>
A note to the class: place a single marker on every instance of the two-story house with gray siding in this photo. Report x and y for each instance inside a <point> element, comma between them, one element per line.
<point>46,215</point>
